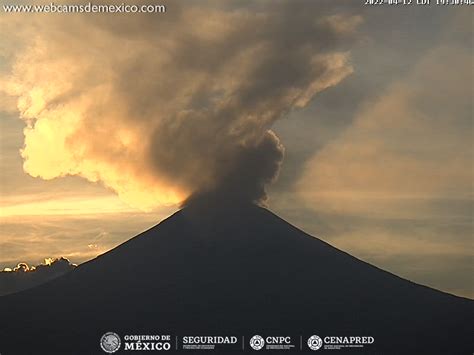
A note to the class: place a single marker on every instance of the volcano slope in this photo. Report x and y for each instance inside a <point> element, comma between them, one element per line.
<point>232,271</point>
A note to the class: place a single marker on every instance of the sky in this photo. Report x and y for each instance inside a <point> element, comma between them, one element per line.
<point>352,122</point>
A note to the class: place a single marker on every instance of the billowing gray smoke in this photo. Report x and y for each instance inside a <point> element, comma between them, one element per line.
<point>166,107</point>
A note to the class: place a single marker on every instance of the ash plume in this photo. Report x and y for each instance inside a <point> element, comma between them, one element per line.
<point>163,108</point>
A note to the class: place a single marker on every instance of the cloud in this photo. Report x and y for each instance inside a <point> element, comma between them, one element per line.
<point>23,276</point>
<point>159,108</point>
<point>406,150</point>
<point>424,234</point>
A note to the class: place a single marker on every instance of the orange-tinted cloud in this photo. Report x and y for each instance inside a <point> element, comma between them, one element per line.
<point>158,109</point>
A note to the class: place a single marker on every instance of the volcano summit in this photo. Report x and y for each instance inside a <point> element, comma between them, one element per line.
<point>236,271</point>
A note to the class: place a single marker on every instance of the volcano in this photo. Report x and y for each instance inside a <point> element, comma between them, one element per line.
<point>239,271</point>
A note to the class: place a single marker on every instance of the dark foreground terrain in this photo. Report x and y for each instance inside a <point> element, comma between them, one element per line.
<point>239,271</point>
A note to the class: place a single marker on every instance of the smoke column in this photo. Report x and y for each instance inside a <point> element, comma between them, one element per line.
<point>162,108</point>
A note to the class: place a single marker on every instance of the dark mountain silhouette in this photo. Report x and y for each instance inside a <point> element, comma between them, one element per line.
<point>24,277</point>
<point>225,271</point>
